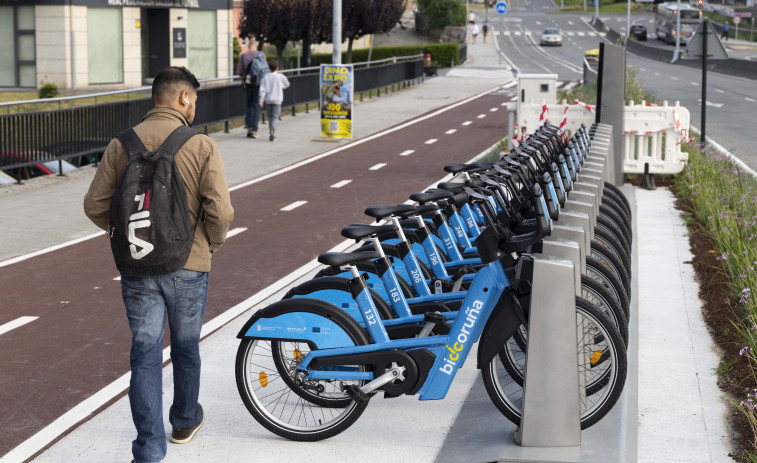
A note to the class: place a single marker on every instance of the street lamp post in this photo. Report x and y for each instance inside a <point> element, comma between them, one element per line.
<point>336,29</point>
<point>678,32</point>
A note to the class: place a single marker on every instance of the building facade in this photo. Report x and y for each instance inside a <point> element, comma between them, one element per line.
<point>107,44</point>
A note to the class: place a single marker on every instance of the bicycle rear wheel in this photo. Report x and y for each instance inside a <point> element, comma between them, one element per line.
<point>603,369</point>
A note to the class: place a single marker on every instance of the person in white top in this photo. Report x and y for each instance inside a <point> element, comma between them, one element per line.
<point>474,31</point>
<point>272,95</point>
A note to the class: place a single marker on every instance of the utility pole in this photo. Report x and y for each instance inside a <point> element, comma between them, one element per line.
<point>678,33</point>
<point>336,29</point>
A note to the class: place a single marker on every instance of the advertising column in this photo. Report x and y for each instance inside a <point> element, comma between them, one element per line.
<point>336,100</point>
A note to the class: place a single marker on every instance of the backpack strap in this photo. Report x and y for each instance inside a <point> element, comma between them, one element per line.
<point>175,141</point>
<point>131,142</point>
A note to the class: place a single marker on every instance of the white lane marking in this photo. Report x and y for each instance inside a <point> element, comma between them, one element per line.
<point>527,33</point>
<point>378,166</point>
<point>571,34</point>
<point>749,99</point>
<point>643,70</point>
<point>450,131</point>
<point>235,232</point>
<point>674,78</point>
<point>507,33</point>
<point>467,122</point>
<point>50,249</point>
<point>481,116</point>
<point>719,91</point>
<point>514,98</point>
<point>430,141</point>
<point>118,278</point>
<point>695,84</point>
<point>494,110</point>
<point>538,22</point>
<point>570,85</point>
<point>12,325</point>
<point>581,34</point>
<point>293,206</point>
<point>84,409</point>
<point>512,83</point>
<point>278,172</point>
<point>570,23</point>
<point>657,73</point>
<point>341,184</point>
<point>710,103</point>
<point>517,33</point>
<point>591,34</point>
<point>407,152</point>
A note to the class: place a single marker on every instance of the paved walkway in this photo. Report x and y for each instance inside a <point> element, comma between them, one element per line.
<point>680,412</point>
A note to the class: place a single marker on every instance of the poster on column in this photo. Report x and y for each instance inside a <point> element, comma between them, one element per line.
<point>336,100</point>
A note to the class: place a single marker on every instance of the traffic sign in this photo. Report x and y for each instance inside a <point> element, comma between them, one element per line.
<point>501,7</point>
<point>736,20</point>
<point>695,48</point>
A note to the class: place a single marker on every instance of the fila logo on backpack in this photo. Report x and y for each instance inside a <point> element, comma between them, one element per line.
<point>150,231</point>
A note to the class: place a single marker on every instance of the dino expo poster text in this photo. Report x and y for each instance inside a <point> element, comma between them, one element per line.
<point>336,100</point>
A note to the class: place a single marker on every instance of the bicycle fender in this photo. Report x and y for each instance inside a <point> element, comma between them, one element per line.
<point>501,326</point>
<point>305,319</point>
<point>335,283</point>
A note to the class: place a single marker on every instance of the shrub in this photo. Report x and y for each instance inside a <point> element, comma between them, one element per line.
<point>48,90</point>
<point>443,53</point>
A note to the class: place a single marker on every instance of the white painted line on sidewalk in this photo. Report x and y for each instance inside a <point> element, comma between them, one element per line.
<point>430,141</point>
<point>341,184</point>
<point>450,131</point>
<point>281,171</point>
<point>378,166</point>
<point>749,99</point>
<point>293,206</point>
<point>494,110</point>
<point>481,116</point>
<point>467,122</point>
<point>50,249</point>
<point>12,325</point>
<point>235,232</point>
<point>407,152</point>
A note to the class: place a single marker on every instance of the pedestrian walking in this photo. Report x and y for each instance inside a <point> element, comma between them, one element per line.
<point>474,31</point>
<point>248,70</point>
<point>486,30</point>
<point>272,95</point>
<point>152,294</point>
<point>724,35</point>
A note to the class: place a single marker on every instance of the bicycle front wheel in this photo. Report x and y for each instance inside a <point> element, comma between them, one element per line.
<point>309,410</point>
<point>603,368</point>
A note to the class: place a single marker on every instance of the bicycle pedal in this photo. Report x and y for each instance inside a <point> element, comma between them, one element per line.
<point>356,394</point>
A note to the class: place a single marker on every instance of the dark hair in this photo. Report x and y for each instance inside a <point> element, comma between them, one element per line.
<point>273,64</point>
<point>170,79</point>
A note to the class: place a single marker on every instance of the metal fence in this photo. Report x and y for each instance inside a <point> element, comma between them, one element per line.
<point>34,137</point>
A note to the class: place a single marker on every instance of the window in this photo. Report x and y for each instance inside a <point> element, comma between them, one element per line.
<point>201,44</point>
<point>18,66</point>
<point>105,46</point>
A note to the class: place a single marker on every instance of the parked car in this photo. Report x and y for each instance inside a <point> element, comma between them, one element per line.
<point>639,31</point>
<point>551,36</point>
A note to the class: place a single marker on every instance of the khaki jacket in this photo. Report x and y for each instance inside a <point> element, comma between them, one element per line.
<point>200,164</point>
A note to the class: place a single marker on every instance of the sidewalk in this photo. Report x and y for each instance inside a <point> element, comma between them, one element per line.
<point>680,410</point>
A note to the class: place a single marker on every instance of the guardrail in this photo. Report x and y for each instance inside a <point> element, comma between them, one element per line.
<point>52,134</point>
<point>653,134</point>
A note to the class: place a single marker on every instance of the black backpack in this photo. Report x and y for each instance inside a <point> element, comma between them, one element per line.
<point>150,231</point>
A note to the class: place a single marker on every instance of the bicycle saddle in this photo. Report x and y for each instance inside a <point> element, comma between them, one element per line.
<point>428,196</point>
<point>358,231</point>
<point>337,259</point>
<point>457,168</point>
<point>381,212</point>
<point>419,210</point>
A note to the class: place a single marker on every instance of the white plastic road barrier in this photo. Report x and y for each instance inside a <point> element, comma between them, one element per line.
<point>653,134</point>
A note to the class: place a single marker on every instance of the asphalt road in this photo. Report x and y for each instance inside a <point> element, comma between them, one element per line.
<point>731,100</point>
<point>78,345</point>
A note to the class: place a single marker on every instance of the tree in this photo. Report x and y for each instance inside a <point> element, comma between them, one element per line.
<point>312,24</point>
<point>270,21</point>
<point>442,13</point>
<point>362,17</point>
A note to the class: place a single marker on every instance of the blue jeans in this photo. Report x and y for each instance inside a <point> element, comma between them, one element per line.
<point>148,299</point>
<point>252,115</point>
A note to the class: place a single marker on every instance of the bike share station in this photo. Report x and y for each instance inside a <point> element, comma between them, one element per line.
<point>550,430</point>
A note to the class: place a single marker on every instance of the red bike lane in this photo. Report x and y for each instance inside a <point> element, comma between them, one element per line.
<point>80,342</point>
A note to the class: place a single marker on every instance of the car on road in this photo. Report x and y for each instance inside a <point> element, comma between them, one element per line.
<point>639,31</point>
<point>551,36</point>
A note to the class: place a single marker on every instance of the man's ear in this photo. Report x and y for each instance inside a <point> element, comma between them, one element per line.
<point>184,97</point>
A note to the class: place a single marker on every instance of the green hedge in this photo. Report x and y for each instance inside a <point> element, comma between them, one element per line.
<point>442,53</point>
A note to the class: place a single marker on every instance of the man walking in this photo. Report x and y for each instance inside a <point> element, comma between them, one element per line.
<point>251,88</point>
<point>724,35</point>
<point>178,296</point>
